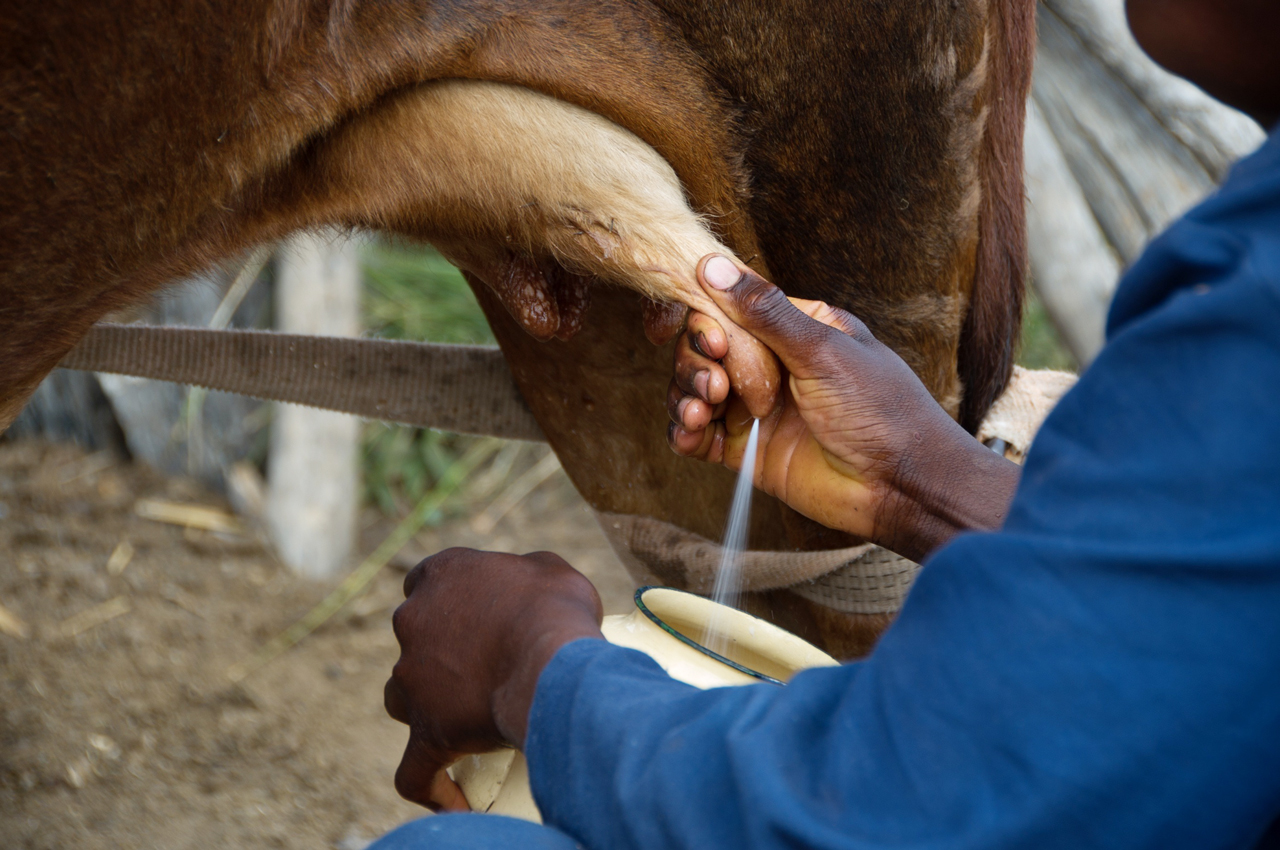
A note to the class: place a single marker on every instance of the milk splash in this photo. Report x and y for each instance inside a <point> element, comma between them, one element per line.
<point>728,588</point>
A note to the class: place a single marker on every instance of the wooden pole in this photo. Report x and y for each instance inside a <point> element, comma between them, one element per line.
<point>312,474</point>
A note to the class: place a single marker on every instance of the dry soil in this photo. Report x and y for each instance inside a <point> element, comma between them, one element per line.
<point>119,725</point>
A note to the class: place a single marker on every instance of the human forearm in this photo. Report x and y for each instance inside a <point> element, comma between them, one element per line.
<point>949,484</point>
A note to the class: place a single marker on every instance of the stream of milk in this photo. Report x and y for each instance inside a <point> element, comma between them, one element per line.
<point>728,587</point>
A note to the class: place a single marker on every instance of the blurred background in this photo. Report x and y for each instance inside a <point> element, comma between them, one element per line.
<point>196,591</point>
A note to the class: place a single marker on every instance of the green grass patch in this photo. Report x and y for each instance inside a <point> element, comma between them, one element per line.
<point>411,292</point>
<point>1041,347</point>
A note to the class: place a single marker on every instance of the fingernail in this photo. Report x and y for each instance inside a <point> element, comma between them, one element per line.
<point>700,383</point>
<point>700,344</point>
<point>720,273</point>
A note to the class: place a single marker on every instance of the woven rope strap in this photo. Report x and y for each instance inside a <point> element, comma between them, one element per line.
<point>860,580</point>
<point>464,388</point>
<point>1021,409</point>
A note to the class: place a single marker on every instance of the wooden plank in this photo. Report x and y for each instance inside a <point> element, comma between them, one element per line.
<point>201,517</point>
<point>1137,176</point>
<point>94,617</point>
<point>13,625</point>
<point>1116,149</point>
<point>1214,132</point>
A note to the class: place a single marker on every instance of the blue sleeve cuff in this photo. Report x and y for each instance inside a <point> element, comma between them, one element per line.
<point>601,673</point>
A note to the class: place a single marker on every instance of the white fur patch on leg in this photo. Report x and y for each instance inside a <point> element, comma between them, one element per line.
<point>490,172</point>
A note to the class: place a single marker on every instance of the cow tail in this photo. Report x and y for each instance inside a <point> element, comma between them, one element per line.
<point>989,338</point>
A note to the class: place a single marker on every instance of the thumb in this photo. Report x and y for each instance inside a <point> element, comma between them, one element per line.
<point>764,311</point>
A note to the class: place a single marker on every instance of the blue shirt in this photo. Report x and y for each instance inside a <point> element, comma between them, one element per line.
<point>1103,672</point>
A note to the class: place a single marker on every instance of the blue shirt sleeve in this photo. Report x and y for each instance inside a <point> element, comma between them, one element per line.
<point>1104,671</point>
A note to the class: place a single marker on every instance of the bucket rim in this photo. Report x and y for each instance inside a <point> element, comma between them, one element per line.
<point>690,642</point>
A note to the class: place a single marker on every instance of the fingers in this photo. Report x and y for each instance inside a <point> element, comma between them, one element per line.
<point>446,795</point>
<point>698,375</point>
<point>765,312</point>
<point>395,702</point>
<point>725,440</point>
<point>700,387</point>
<point>414,576</point>
<point>438,561</point>
<point>706,336</point>
<point>578,589</point>
<point>421,779</point>
<point>549,560</point>
<point>416,773</point>
<point>705,445</point>
<point>689,412</point>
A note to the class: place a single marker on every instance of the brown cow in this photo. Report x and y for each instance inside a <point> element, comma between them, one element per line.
<point>862,153</point>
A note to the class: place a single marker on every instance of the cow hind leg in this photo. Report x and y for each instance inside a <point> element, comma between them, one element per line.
<point>507,182</point>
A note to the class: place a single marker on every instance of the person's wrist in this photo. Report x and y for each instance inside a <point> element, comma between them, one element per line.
<point>944,482</point>
<point>529,651</point>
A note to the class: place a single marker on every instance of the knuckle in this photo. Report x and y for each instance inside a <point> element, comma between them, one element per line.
<point>406,787</point>
<point>757,299</point>
<point>674,397</point>
<point>398,624</point>
<point>546,559</point>
<point>686,353</point>
<point>393,701</point>
<point>838,354</point>
<point>412,578</point>
<point>849,323</point>
<point>862,334</point>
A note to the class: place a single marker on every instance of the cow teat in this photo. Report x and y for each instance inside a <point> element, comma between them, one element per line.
<point>546,300</point>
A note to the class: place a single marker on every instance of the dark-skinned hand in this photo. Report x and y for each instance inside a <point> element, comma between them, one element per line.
<point>855,441</point>
<point>476,630</point>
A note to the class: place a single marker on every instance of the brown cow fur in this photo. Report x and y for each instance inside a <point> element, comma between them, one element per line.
<point>139,133</point>
<point>867,154</point>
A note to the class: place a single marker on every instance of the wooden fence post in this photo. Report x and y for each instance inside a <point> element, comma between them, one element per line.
<point>313,467</point>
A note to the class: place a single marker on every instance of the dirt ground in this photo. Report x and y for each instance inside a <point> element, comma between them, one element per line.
<point>120,727</point>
